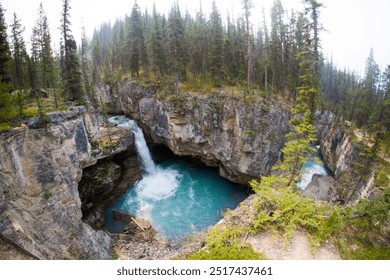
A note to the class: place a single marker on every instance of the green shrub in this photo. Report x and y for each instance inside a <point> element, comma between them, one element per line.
<point>369,253</point>
<point>250,133</point>
<point>286,210</point>
<point>382,180</point>
<point>30,112</point>
<point>226,252</point>
<point>7,107</point>
<point>46,194</point>
<point>6,126</point>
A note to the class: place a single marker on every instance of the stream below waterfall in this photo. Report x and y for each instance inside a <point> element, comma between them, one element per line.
<point>315,165</point>
<point>178,198</point>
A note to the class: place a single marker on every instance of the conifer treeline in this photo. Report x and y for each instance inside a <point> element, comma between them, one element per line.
<point>204,48</point>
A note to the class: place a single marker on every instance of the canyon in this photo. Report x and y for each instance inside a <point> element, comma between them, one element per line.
<point>52,190</point>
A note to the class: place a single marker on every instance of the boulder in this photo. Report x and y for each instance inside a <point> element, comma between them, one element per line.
<point>320,188</point>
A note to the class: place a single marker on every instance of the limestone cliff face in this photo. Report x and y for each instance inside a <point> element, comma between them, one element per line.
<point>242,138</point>
<point>40,207</point>
<point>352,168</point>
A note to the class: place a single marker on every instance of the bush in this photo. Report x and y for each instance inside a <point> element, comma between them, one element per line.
<point>233,252</point>
<point>6,126</point>
<point>7,109</point>
<point>369,253</point>
<point>285,210</point>
<point>382,180</point>
<point>224,244</point>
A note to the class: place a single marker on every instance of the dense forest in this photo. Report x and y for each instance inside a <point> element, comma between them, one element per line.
<point>203,53</point>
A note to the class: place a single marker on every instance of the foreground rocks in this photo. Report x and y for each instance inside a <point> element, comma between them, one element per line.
<point>320,188</point>
<point>139,240</point>
<point>40,206</point>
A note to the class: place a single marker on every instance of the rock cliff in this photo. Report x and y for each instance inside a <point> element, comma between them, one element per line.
<point>242,138</point>
<point>40,206</point>
<point>350,163</point>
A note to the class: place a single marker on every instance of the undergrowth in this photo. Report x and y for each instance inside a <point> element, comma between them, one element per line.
<point>363,226</point>
<point>224,244</point>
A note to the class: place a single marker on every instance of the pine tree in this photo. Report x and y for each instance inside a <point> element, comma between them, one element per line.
<point>229,66</point>
<point>385,110</point>
<point>19,53</point>
<point>313,8</point>
<point>135,40</point>
<point>156,46</point>
<point>70,64</point>
<point>216,45</point>
<point>20,60</point>
<point>4,50</point>
<point>297,149</point>
<point>247,7</point>
<point>266,54</point>
<point>198,44</point>
<point>276,46</point>
<point>88,85</point>
<point>176,44</point>
<point>42,51</point>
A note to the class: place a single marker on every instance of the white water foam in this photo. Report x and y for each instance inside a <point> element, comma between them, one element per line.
<point>157,183</point>
<point>308,170</point>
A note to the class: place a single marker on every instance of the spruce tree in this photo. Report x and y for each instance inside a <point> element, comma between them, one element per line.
<point>4,50</point>
<point>20,61</point>
<point>247,6</point>
<point>42,51</point>
<point>216,45</point>
<point>88,84</point>
<point>156,47</point>
<point>70,64</point>
<point>135,40</point>
<point>19,53</point>
<point>297,149</point>
<point>276,46</point>
<point>176,44</point>
<point>198,46</point>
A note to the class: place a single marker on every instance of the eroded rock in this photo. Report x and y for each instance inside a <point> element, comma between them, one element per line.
<point>320,188</point>
<point>242,139</point>
<point>40,206</point>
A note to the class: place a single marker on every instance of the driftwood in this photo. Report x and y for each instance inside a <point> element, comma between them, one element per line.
<point>137,223</point>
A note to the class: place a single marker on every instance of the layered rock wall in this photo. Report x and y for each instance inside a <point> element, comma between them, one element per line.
<point>350,163</point>
<point>40,207</point>
<point>242,138</point>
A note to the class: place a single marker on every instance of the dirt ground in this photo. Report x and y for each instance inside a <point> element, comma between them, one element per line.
<point>299,249</point>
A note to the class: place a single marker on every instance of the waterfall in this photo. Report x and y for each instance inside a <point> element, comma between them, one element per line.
<point>145,158</point>
<point>176,197</point>
<point>315,165</point>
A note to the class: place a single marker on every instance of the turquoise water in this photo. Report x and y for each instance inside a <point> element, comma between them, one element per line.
<point>178,199</point>
<point>315,165</point>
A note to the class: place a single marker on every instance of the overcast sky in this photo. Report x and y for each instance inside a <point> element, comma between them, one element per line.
<point>353,26</point>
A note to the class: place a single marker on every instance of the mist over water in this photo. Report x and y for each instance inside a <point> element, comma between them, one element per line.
<point>176,197</point>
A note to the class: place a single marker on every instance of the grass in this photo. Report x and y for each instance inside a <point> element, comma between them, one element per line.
<point>225,244</point>
<point>233,252</point>
<point>6,126</point>
<point>9,117</point>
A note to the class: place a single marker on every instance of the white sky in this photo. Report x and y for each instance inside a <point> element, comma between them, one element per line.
<point>353,26</point>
